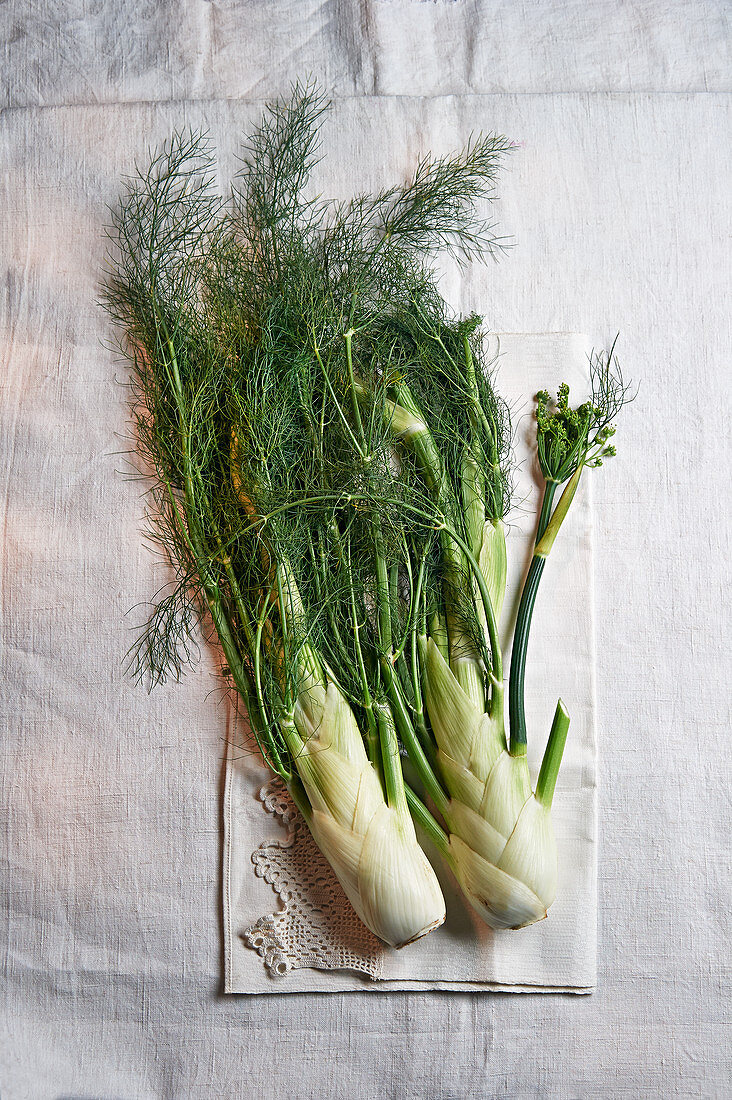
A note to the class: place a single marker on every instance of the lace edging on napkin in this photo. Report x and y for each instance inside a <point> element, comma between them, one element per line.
<point>316,926</point>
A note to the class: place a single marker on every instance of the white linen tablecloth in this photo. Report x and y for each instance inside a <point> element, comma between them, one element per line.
<point>618,201</point>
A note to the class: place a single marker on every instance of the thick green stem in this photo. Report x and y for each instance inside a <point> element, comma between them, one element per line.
<point>551,531</point>
<point>410,739</point>
<point>550,489</point>
<point>382,587</point>
<point>372,736</point>
<point>477,409</point>
<point>419,722</point>
<point>419,439</point>
<point>546,533</point>
<point>391,763</point>
<point>517,716</point>
<point>552,756</point>
<point>406,677</point>
<point>496,657</point>
<point>399,651</point>
<point>256,653</point>
<point>438,633</point>
<point>292,738</point>
<point>455,550</point>
<point>424,819</point>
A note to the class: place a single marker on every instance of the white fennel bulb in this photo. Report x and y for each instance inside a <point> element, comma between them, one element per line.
<point>371,844</point>
<point>501,836</point>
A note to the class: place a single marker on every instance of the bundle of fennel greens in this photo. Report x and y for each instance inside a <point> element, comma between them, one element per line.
<point>331,469</point>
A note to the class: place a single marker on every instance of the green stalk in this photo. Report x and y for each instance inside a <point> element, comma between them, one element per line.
<point>410,739</point>
<point>256,655</point>
<point>372,737</point>
<point>547,500</point>
<point>546,541</point>
<point>552,756</point>
<point>425,820</point>
<point>399,651</point>
<point>496,657</point>
<point>284,679</point>
<point>422,444</point>
<point>478,412</point>
<point>394,591</point>
<point>243,683</point>
<point>438,633</point>
<point>382,588</point>
<point>546,534</point>
<point>516,713</point>
<point>391,763</point>
<point>419,722</point>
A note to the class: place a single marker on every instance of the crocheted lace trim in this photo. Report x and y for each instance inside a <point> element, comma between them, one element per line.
<point>316,927</point>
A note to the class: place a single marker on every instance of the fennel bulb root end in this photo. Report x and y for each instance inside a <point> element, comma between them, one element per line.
<point>515,889</point>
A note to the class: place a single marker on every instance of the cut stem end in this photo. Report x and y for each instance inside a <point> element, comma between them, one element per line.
<point>553,756</point>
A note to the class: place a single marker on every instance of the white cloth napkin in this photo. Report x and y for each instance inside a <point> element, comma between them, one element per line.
<point>315,942</point>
